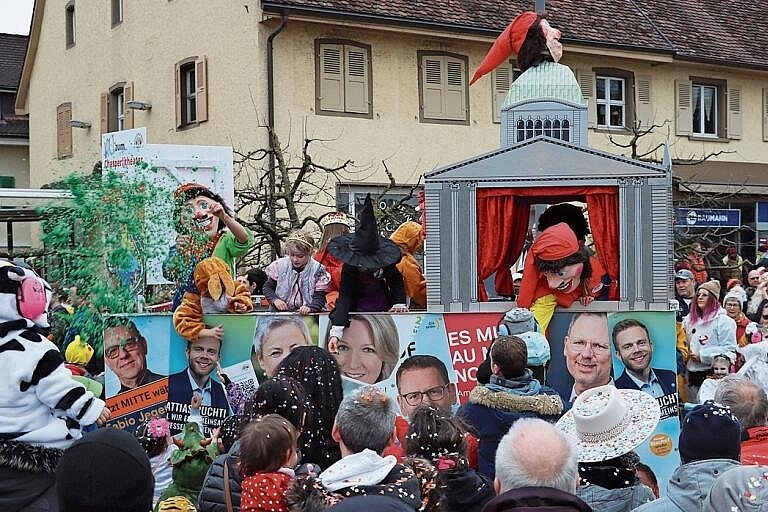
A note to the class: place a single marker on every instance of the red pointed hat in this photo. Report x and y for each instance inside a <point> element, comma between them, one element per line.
<point>506,44</point>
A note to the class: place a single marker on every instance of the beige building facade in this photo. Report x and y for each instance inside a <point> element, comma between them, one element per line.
<point>374,89</point>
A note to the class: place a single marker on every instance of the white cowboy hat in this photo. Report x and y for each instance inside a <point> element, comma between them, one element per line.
<point>609,422</point>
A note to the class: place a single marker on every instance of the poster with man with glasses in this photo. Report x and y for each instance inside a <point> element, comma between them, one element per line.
<point>633,350</point>
<point>134,384</point>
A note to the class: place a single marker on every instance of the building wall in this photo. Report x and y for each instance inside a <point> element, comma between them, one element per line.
<point>14,161</point>
<point>143,49</point>
<point>155,35</point>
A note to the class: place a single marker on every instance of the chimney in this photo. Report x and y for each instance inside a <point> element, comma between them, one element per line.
<point>540,6</point>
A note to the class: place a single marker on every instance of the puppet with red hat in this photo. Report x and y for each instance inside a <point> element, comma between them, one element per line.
<point>530,38</point>
<point>559,270</point>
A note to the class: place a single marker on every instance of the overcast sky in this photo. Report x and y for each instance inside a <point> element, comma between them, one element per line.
<point>15,16</point>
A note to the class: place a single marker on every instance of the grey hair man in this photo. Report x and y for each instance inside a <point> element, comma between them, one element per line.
<point>535,479</point>
<point>749,403</point>
<point>364,426</point>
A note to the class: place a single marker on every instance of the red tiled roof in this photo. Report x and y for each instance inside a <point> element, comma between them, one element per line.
<point>728,32</point>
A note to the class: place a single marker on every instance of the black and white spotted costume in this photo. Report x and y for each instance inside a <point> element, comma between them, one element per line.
<point>41,406</point>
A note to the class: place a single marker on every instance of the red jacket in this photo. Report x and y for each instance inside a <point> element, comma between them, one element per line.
<point>755,449</point>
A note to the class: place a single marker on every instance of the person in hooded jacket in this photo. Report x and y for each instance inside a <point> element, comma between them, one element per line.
<point>410,238</point>
<point>710,445</point>
<point>511,394</point>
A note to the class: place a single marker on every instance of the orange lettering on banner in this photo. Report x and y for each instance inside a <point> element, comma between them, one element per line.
<point>139,398</point>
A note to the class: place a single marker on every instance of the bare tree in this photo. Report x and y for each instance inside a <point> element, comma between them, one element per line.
<point>278,191</point>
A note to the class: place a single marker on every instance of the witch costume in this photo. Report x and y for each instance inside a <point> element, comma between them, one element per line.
<point>370,281</point>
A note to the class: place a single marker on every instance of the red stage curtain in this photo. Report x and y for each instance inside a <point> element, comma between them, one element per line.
<point>603,210</point>
<point>502,221</point>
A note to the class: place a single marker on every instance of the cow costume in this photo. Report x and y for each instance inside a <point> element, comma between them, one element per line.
<point>41,407</point>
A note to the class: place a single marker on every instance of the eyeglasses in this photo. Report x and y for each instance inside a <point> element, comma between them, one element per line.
<point>433,394</point>
<point>129,345</point>
<point>702,294</point>
<point>582,346</point>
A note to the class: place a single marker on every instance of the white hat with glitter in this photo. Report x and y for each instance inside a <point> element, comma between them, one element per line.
<point>609,422</point>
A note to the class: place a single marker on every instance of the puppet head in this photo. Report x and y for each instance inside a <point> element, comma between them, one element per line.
<point>530,37</point>
<point>212,278</point>
<point>191,213</point>
<point>560,258</point>
<point>23,295</point>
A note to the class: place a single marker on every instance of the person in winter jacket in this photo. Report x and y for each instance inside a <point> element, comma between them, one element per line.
<point>436,436</point>
<point>529,478</point>
<point>42,409</point>
<point>297,282</point>
<point>709,446</point>
<point>364,425</point>
<point>710,332</point>
<point>410,238</point>
<point>511,394</point>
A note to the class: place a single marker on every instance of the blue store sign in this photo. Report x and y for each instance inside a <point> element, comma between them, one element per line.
<point>707,218</point>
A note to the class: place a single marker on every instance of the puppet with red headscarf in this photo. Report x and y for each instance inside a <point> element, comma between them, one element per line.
<point>535,44</point>
<point>559,270</point>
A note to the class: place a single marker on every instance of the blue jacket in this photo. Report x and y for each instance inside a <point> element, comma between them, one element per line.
<point>689,486</point>
<point>667,379</point>
<point>489,414</point>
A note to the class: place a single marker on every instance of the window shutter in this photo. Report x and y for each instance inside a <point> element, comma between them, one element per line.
<point>178,85</point>
<point>734,113</point>
<point>502,79</point>
<point>128,96</point>
<point>63,130</point>
<point>643,101</point>
<point>587,86</point>
<point>683,110</point>
<point>765,115</point>
<point>104,113</point>
<point>432,93</point>
<point>455,106</point>
<point>331,77</point>
<point>201,82</point>
<point>356,80</point>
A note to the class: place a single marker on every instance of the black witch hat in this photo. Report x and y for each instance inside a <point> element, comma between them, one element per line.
<point>365,248</point>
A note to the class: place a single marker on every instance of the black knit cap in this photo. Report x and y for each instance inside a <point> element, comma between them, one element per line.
<point>710,431</point>
<point>106,470</point>
<point>365,248</point>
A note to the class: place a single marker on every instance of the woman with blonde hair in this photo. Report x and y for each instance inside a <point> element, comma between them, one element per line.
<point>369,349</point>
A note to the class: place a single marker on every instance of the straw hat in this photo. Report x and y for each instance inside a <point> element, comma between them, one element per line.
<point>609,422</point>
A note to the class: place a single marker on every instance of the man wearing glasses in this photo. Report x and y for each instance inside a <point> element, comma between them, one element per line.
<point>423,379</point>
<point>125,354</point>
<point>634,347</point>
<point>587,350</point>
<point>511,394</point>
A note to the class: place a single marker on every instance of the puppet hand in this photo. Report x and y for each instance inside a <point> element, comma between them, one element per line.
<point>218,210</point>
<point>333,345</point>
<point>216,333</point>
<point>280,305</point>
<point>103,417</point>
<point>587,300</point>
<point>304,310</point>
